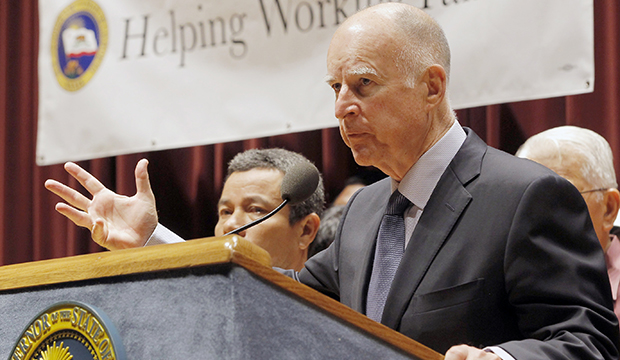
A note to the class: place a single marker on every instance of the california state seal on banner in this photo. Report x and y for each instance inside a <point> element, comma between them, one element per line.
<point>79,42</point>
<point>69,331</point>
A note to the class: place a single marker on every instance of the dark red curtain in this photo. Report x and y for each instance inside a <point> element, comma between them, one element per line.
<point>187,181</point>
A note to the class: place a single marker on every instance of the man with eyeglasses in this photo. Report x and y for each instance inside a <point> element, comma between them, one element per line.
<point>584,158</point>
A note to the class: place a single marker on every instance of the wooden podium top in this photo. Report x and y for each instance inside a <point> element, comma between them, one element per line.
<point>194,253</point>
<point>200,252</point>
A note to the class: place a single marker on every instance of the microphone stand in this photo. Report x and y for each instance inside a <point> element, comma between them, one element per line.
<point>259,220</point>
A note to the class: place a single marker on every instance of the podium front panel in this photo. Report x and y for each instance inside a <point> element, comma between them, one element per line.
<point>208,312</point>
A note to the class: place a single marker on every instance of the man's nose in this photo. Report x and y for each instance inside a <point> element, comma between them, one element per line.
<point>234,221</point>
<point>346,103</point>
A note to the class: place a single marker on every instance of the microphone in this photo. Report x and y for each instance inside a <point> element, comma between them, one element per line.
<point>298,184</point>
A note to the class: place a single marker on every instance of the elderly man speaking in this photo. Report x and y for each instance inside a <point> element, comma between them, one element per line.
<point>462,244</point>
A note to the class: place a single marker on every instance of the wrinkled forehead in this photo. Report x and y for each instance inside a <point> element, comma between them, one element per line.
<point>359,52</point>
<point>362,32</point>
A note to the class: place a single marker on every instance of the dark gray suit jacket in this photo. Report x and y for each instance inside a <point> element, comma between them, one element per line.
<point>503,254</point>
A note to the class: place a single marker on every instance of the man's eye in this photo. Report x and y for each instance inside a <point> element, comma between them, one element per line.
<point>257,210</point>
<point>224,212</point>
<point>365,81</point>
<point>336,87</point>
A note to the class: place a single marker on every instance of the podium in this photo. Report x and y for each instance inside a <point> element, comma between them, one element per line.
<point>212,298</point>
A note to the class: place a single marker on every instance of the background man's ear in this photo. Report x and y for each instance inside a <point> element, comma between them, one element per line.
<point>612,204</point>
<point>309,227</point>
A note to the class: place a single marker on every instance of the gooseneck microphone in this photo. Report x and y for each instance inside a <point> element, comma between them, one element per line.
<point>298,184</point>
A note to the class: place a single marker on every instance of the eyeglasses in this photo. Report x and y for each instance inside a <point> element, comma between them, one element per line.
<point>593,190</point>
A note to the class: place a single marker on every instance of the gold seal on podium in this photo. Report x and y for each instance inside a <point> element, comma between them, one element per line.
<point>69,331</point>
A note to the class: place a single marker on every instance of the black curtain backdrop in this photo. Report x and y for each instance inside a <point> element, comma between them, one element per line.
<point>187,181</point>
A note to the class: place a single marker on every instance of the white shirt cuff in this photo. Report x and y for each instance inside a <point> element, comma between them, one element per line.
<point>499,352</point>
<point>162,235</point>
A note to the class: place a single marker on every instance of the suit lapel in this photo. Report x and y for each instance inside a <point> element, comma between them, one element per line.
<point>445,207</point>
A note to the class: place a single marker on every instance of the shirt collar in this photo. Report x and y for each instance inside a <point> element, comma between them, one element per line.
<point>419,182</point>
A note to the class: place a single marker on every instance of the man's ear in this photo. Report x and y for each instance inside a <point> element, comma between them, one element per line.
<point>436,83</point>
<point>611,201</point>
<point>309,226</point>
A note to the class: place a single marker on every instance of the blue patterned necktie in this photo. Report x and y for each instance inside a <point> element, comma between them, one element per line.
<point>388,253</point>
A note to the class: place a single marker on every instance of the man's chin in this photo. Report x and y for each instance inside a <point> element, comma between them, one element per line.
<point>362,157</point>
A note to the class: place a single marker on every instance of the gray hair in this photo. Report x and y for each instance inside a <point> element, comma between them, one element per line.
<point>282,160</point>
<point>426,43</point>
<point>565,145</point>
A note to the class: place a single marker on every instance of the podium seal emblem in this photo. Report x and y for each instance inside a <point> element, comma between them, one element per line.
<point>69,331</point>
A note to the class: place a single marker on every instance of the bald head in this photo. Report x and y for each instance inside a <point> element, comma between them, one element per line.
<point>387,65</point>
<point>419,41</point>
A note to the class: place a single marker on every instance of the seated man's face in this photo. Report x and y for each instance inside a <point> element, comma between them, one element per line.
<point>249,195</point>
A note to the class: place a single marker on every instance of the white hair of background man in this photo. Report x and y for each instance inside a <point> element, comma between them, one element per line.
<point>564,145</point>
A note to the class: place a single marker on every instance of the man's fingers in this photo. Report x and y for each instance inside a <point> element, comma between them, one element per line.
<point>67,194</point>
<point>143,184</point>
<point>88,181</point>
<point>79,218</point>
<point>465,352</point>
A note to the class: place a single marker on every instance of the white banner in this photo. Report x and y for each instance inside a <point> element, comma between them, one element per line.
<point>126,76</point>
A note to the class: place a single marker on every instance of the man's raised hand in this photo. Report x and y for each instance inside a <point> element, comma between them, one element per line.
<point>115,221</point>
